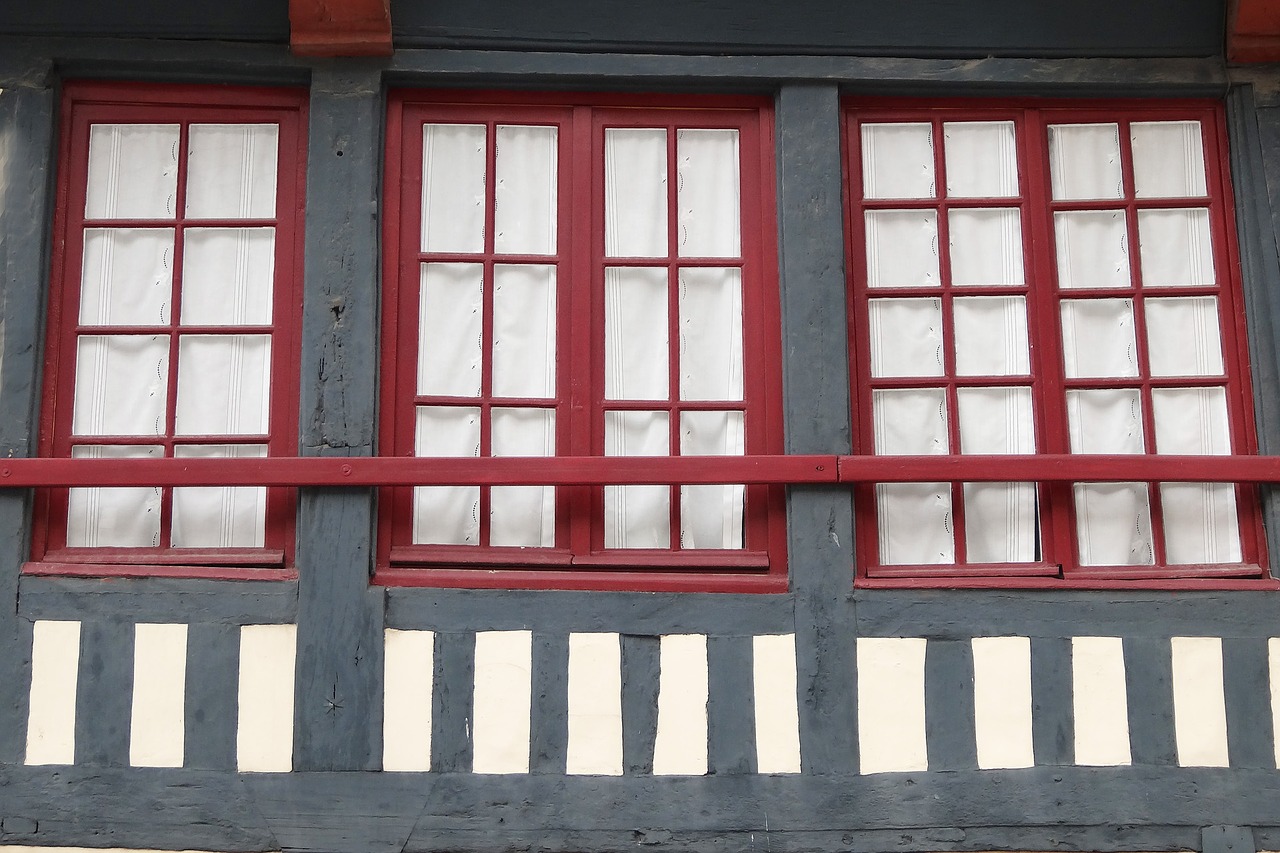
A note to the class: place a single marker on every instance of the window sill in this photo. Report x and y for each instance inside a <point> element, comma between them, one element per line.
<point>1231,577</point>
<point>212,563</point>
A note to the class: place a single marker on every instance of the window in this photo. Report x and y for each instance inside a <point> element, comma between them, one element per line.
<point>172,324</point>
<point>580,277</point>
<point>1048,279</point>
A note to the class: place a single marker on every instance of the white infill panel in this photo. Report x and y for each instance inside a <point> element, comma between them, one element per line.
<point>157,727</point>
<point>503,691</point>
<point>777,715</point>
<point>55,662</point>
<point>1002,701</point>
<point>680,748</point>
<point>264,737</point>
<point>1100,701</point>
<point>891,705</point>
<point>595,705</point>
<point>409,665</point>
<point>1199,706</point>
<point>1273,655</point>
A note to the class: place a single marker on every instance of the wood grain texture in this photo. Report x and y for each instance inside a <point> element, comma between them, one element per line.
<point>104,691</point>
<point>948,705</point>
<point>731,718</point>
<point>213,678</point>
<point>1053,731</point>
<point>641,667</point>
<point>1148,671</point>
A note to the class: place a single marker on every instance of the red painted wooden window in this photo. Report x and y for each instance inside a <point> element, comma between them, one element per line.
<point>172,323</point>
<point>580,276</point>
<point>1048,279</point>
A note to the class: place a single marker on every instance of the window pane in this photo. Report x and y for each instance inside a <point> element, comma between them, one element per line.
<point>996,421</point>
<point>1200,523</point>
<point>524,516</point>
<point>985,246</point>
<point>910,421</point>
<point>227,276</point>
<point>1168,159</point>
<point>232,171</point>
<point>711,516</point>
<point>114,518</point>
<point>1084,161</point>
<point>1097,338</point>
<point>897,161</point>
<point>230,517</point>
<point>133,171</point>
<point>446,515</point>
<point>991,336</point>
<point>524,330</point>
<point>902,248</point>
<point>637,516</point>
<point>525,194</point>
<point>121,385</point>
<point>914,523</point>
<point>636,336</point>
<point>224,384</point>
<point>710,333</point>
<point>709,193</point>
<point>982,159</point>
<point>127,277</point>
<point>453,187</point>
<point>1105,420</point>
<point>1113,524</point>
<point>1001,522</point>
<point>1183,338</point>
<point>450,328</point>
<point>906,337</point>
<point>1191,421</point>
<point>1092,251</point>
<point>1176,247</point>
<point>635,192</point>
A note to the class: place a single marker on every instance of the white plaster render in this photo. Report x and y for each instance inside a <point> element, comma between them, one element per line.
<point>502,701</point>
<point>1100,701</point>
<point>891,733</point>
<point>409,667</point>
<point>680,748</point>
<point>157,726</point>
<point>1199,706</point>
<point>264,736</point>
<point>55,661</point>
<point>777,716</point>
<point>1273,656</point>
<point>595,705</point>
<point>1002,701</point>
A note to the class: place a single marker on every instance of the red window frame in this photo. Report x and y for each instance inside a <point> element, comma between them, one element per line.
<point>87,103</point>
<point>1058,564</point>
<point>578,560</point>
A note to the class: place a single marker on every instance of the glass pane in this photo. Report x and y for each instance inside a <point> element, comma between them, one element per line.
<point>636,333</point>
<point>902,248</point>
<point>914,523</point>
<point>450,328</point>
<point>523,516</point>
<point>910,421</point>
<point>1191,421</point>
<point>524,330</point>
<point>114,518</point>
<point>637,516</point>
<point>1176,247</point>
<point>710,333</point>
<point>232,171</point>
<point>228,517</point>
<point>1168,159</point>
<point>709,193</point>
<point>897,161</point>
<point>446,515</point>
<point>986,246</point>
<point>1084,161</point>
<point>1092,251</point>
<point>906,337</point>
<point>1183,338</point>
<point>122,385</point>
<point>127,277</point>
<point>1200,523</point>
<point>1000,522</point>
<point>1105,420</point>
<point>133,171</point>
<point>982,159</point>
<point>711,516</point>
<point>1097,338</point>
<point>995,421</point>
<point>227,276</point>
<point>525,194</point>
<point>224,384</point>
<point>453,187</point>
<point>635,192</point>
<point>991,336</point>
<point>1113,524</point>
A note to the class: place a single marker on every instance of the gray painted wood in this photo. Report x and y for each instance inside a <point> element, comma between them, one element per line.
<point>641,668</point>
<point>1227,839</point>
<point>1148,671</point>
<point>1052,719</point>
<point>223,602</point>
<point>948,705</point>
<point>233,19</point>
<point>549,714</point>
<point>1246,678</point>
<point>453,688</point>
<point>212,703</point>
<point>104,693</point>
<point>731,722</point>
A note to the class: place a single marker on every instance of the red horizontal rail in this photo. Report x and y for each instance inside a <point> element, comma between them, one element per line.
<point>628,470</point>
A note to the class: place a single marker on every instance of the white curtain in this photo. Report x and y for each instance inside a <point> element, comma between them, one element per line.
<point>114,518</point>
<point>1084,161</point>
<point>1183,336</point>
<point>711,515</point>
<point>1113,520</point>
<point>227,276</point>
<point>710,333</point>
<point>127,277</point>
<point>224,384</point>
<point>914,519</point>
<point>523,515</point>
<point>902,248</point>
<point>454,159</point>
<point>636,334</point>
<point>525,202</point>
<point>219,517</point>
<point>1000,518</point>
<point>524,330</point>
<point>897,160</point>
<point>906,337</point>
<point>446,515</point>
<point>635,192</point>
<point>1092,248</point>
<point>121,385</point>
<point>637,516</point>
<point>231,171</point>
<point>1176,247</point>
<point>985,246</point>
<point>981,159</point>
<point>991,335</point>
<point>133,171</point>
<point>708,193</point>
<point>450,328</point>
<point>1097,338</point>
<point>1168,159</point>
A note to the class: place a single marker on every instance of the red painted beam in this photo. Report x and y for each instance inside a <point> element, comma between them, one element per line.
<point>340,27</point>
<point>1253,31</point>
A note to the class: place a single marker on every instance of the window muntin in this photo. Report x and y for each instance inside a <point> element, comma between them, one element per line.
<point>172,320</point>
<point>1008,314</point>
<point>596,296</point>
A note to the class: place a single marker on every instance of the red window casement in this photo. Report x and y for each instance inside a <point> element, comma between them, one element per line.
<point>1034,279</point>
<point>173,316</point>
<point>581,276</point>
